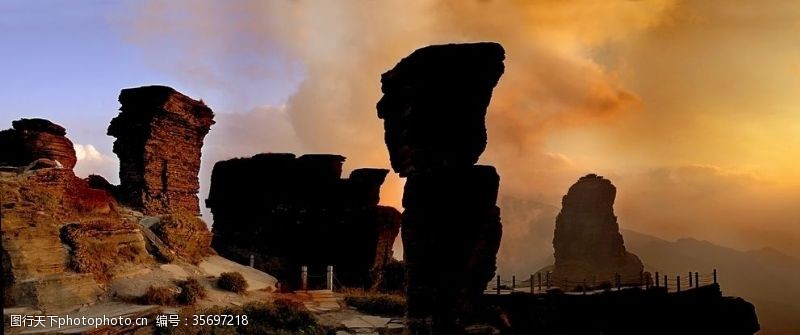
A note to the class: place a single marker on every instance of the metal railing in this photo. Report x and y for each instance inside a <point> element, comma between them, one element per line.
<point>541,282</point>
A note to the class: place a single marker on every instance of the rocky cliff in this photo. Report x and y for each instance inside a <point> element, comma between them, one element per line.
<point>291,211</point>
<point>61,238</point>
<point>433,107</point>
<point>588,245</point>
<point>159,135</point>
<point>31,139</point>
<point>65,238</point>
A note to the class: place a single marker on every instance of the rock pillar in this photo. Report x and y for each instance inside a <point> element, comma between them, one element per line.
<point>159,135</point>
<point>434,107</point>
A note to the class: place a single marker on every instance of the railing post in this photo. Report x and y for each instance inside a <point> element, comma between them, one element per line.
<point>696,279</point>
<point>548,279</point>
<point>329,278</point>
<point>690,279</point>
<point>666,284</point>
<point>513,282</point>
<point>498,285</point>
<point>539,274</point>
<point>532,284</point>
<point>252,261</point>
<point>715,276</point>
<point>678,282</point>
<point>657,279</point>
<point>304,278</point>
<point>617,279</point>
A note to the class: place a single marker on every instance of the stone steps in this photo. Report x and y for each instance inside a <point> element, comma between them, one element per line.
<point>320,300</point>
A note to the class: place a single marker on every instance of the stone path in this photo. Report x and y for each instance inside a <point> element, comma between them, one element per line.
<point>332,312</point>
<point>369,324</point>
<point>319,301</point>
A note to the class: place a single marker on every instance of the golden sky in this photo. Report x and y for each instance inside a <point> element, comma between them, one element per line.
<point>692,108</point>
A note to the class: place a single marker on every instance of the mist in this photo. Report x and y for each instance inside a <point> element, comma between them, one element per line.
<point>609,87</point>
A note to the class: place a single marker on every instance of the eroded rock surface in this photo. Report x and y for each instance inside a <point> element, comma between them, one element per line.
<point>159,135</point>
<point>291,211</point>
<point>587,242</point>
<point>61,237</point>
<point>31,139</point>
<point>186,234</point>
<point>434,107</point>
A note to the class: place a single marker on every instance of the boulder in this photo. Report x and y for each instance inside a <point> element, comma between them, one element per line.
<point>31,139</point>
<point>185,234</point>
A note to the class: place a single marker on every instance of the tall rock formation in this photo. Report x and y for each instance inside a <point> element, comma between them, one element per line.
<point>31,139</point>
<point>159,135</point>
<point>291,211</point>
<point>587,242</point>
<point>434,107</point>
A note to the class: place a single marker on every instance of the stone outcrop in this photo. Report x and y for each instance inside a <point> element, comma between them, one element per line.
<point>291,211</point>
<point>434,105</point>
<point>31,139</point>
<point>434,109</point>
<point>51,269</point>
<point>186,234</point>
<point>587,242</point>
<point>99,247</point>
<point>61,235</point>
<point>159,135</point>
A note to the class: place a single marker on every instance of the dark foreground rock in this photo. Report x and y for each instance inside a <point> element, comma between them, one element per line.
<point>434,105</point>
<point>588,245</point>
<point>434,108</point>
<point>628,312</point>
<point>291,211</point>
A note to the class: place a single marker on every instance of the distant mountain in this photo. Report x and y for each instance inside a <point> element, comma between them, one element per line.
<point>765,277</point>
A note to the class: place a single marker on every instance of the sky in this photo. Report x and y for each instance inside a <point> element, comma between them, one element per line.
<point>691,108</point>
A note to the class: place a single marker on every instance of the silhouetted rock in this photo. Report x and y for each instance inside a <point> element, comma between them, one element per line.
<point>451,234</point>
<point>587,242</point>
<point>291,211</point>
<point>629,312</point>
<point>433,107</point>
<point>32,139</point>
<point>159,135</point>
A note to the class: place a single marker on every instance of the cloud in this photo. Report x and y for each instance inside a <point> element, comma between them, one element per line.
<point>668,98</point>
<point>92,161</point>
<point>551,80</point>
<point>728,207</point>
